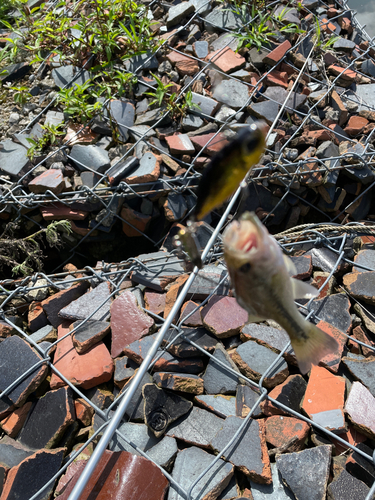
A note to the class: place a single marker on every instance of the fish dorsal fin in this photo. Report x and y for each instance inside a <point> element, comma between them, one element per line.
<point>289,265</point>
<point>302,290</point>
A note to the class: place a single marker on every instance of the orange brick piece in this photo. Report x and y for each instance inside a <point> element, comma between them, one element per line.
<point>324,398</point>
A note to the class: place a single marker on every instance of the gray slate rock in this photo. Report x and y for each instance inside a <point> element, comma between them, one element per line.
<point>199,427</point>
<point>279,95</point>
<point>232,93</point>
<point>266,110</point>
<point>217,380</point>
<point>136,62</point>
<point>48,420</point>
<point>123,113</point>
<point>85,305</point>
<point>16,357</point>
<point>91,157</point>
<point>189,464</point>
<point>222,406</point>
<point>64,76</point>
<point>346,487</point>
<point>275,491</point>
<point>221,18</point>
<point>306,472</point>
<point>246,453</point>
<point>13,158</point>
<point>363,370</point>
<point>178,12</point>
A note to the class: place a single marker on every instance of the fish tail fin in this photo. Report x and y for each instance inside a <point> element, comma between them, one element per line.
<point>312,348</point>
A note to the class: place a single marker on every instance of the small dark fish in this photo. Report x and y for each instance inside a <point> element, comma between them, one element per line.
<point>228,167</point>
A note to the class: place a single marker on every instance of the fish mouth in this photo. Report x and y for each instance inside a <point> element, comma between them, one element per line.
<point>242,238</point>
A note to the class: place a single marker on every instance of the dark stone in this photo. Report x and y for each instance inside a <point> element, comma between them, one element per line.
<point>12,453</point>
<point>89,334</point>
<point>164,452</point>
<point>361,285</point>
<point>254,359</point>
<point>199,427</point>
<point>53,305</point>
<point>249,451</point>
<point>139,61</point>
<point>189,464</point>
<point>14,72</point>
<point>361,207</point>
<point>100,396</point>
<point>92,157</point>
<point>13,158</point>
<point>124,369</point>
<point>270,337</point>
<point>17,357</point>
<point>306,472</point>
<point>275,491</point>
<point>90,179</point>
<point>221,18</point>
<point>289,394</point>
<point>364,258</point>
<point>123,114</point>
<point>182,346</point>
<point>48,420</point>
<point>85,305</point>
<point>175,207</point>
<point>64,76</point>
<point>303,266</point>
<point>246,398</point>
<point>179,382</point>
<point>207,105</point>
<point>135,410</point>
<point>361,468</point>
<point>368,67</point>
<point>122,170</point>
<point>233,93</point>
<point>217,380</point>
<point>363,370</point>
<point>161,408</point>
<point>201,49</point>
<point>364,175</point>
<point>266,110</point>
<point>279,95</point>
<point>344,45</point>
<point>34,471</point>
<point>152,116</point>
<point>206,281</point>
<point>222,406</point>
<point>346,487</point>
<point>324,259</point>
<point>334,309</point>
<point>99,126</point>
<point>160,271</point>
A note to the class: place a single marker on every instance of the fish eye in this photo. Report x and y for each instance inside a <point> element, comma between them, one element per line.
<point>245,268</point>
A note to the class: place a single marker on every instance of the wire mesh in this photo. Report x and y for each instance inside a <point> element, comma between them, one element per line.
<point>330,234</point>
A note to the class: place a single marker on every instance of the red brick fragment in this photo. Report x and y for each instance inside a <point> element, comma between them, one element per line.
<point>227,60</point>
<point>86,370</point>
<point>277,54</point>
<point>355,125</point>
<point>58,211</point>
<point>223,316</point>
<point>136,219</point>
<point>84,412</point>
<point>195,319</point>
<point>332,361</point>
<point>281,430</point>
<point>36,317</point>
<point>128,322</point>
<point>154,301</point>
<point>214,145</point>
<point>14,422</point>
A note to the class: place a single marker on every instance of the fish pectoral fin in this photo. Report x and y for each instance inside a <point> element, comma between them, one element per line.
<point>312,348</point>
<point>254,319</point>
<point>290,265</point>
<point>302,290</point>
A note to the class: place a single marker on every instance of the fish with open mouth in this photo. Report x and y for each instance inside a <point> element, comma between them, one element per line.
<point>259,272</point>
